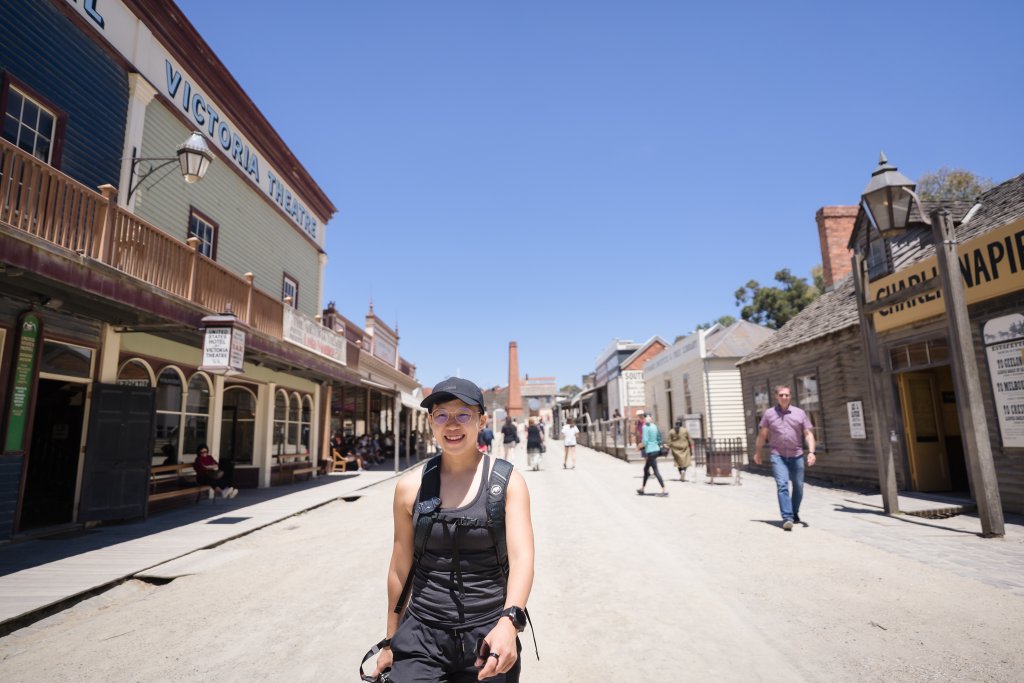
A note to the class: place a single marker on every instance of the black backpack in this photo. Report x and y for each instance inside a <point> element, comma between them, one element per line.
<point>428,505</point>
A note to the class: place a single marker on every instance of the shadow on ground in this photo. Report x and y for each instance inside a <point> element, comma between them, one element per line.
<point>26,553</point>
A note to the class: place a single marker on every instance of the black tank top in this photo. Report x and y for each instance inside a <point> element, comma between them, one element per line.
<point>458,581</point>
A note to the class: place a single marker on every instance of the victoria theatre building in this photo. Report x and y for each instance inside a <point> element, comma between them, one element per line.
<point>161,268</point>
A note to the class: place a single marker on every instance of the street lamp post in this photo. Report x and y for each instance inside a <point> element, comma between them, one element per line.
<point>888,199</point>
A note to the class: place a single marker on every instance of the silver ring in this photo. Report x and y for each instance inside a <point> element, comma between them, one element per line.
<point>495,655</point>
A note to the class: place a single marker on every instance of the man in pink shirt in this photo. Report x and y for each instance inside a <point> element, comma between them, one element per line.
<point>786,427</point>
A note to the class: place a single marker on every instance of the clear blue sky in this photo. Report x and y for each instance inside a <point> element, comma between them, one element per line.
<point>564,172</point>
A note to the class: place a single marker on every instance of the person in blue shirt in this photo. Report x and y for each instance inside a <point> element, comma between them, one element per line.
<point>650,445</point>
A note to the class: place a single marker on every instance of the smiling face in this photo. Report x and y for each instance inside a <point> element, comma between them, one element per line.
<point>455,437</point>
<point>783,396</point>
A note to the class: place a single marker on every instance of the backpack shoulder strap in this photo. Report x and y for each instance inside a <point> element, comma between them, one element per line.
<point>501,472</point>
<point>425,511</point>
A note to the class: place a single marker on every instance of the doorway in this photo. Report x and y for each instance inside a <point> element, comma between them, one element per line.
<point>238,427</point>
<point>56,446</point>
<point>932,427</point>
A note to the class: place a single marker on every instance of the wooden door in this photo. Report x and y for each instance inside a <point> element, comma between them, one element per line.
<point>115,482</point>
<point>926,443</point>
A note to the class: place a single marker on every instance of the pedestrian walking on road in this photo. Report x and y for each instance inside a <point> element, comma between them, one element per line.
<point>640,427</point>
<point>534,444</point>
<point>786,427</point>
<point>465,613</point>
<point>509,437</point>
<point>569,432</point>
<point>681,446</point>
<point>487,437</point>
<point>650,444</point>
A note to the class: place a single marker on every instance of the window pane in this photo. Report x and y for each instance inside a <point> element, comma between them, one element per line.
<point>294,406</point>
<point>198,395</point>
<point>42,149</point>
<point>168,391</point>
<point>11,129</point>
<point>918,354</point>
<point>281,406</point>
<point>66,359</point>
<point>14,104</point>
<point>30,115</point>
<point>45,124</point>
<point>26,139</point>
<point>165,445</point>
<point>195,434</point>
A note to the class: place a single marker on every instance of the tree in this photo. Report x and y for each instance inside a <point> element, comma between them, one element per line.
<point>951,184</point>
<point>569,389</point>
<point>774,306</point>
<point>724,321</point>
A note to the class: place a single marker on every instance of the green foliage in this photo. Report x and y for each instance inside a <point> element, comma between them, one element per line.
<point>724,321</point>
<point>774,306</point>
<point>570,389</point>
<point>951,184</point>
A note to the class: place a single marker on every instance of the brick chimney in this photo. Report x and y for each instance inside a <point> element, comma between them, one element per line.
<point>515,393</point>
<point>835,225</point>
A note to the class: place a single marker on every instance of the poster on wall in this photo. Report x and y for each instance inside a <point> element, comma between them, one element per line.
<point>855,411</point>
<point>1004,347</point>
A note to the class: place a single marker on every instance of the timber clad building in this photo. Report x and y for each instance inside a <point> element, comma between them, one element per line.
<point>820,354</point>
<point>107,274</point>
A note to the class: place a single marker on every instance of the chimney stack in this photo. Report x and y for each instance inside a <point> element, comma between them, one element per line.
<point>835,225</point>
<point>515,395</point>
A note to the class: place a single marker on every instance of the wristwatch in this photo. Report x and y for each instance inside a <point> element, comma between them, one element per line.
<point>517,615</point>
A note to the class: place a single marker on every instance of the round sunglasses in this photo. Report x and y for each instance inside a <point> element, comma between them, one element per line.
<point>442,416</point>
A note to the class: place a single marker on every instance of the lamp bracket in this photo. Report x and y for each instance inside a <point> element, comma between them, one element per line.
<point>134,184</point>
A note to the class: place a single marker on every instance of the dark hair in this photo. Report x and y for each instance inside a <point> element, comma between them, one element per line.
<point>679,422</point>
<point>202,447</point>
<point>508,419</point>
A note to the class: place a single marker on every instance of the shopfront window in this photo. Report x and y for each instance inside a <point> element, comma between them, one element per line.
<point>197,412</point>
<point>294,408</point>
<point>280,421</point>
<point>168,418</point>
<point>808,398</point>
<point>307,423</point>
<point>762,401</point>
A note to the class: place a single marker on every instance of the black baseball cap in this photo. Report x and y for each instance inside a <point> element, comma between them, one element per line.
<point>455,387</point>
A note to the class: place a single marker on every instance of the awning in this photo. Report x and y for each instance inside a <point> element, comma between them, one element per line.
<point>410,401</point>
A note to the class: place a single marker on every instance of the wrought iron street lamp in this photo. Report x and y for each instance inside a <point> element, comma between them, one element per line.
<point>194,157</point>
<point>889,199</point>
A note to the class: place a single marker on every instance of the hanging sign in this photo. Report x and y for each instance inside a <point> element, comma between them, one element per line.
<point>20,399</point>
<point>223,347</point>
<point>1004,346</point>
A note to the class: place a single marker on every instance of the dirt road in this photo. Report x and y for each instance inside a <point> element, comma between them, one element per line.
<point>702,585</point>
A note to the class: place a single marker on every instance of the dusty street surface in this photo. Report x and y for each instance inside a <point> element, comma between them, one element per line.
<point>702,585</point>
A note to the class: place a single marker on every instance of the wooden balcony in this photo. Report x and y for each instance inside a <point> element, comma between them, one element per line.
<point>42,201</point>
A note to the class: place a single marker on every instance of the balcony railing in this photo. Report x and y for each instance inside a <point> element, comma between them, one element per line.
<point>45,203</point>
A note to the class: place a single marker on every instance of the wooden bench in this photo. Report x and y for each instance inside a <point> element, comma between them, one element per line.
<point>171,475</point>
<point>299,464</point>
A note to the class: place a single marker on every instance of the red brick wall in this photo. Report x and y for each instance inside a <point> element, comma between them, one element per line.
<point>835,224</point>
<point>641,361</point>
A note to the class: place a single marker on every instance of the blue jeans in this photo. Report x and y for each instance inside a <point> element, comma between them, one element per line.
<point>786,470</point>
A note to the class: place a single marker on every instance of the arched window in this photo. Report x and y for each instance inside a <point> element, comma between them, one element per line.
<point>307,419</point>
<point>168,416</point>
<point>135,373</point>
<point>294,411</point>
<point>197,413</point>
<point>280,420</point>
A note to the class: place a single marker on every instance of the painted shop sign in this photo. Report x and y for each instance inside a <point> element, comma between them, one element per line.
<point>307,332</point>
<point>634,387</point>
<point>20,399</point>
<point>223,351</point>
<point>129,36</point>
<point>1004,346</point>
<point>991,265</point>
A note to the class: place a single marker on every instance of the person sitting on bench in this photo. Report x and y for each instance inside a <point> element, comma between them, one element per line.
<point>209,473</point>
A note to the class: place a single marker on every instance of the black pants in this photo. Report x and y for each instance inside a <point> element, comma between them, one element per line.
<point>430,654</point>
<point>651,463</point>
<point>205,479</point>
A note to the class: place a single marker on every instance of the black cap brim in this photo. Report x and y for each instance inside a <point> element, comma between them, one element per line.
<point>442,396</point>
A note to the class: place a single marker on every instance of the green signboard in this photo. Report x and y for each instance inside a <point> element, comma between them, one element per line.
<point>20,399</point>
